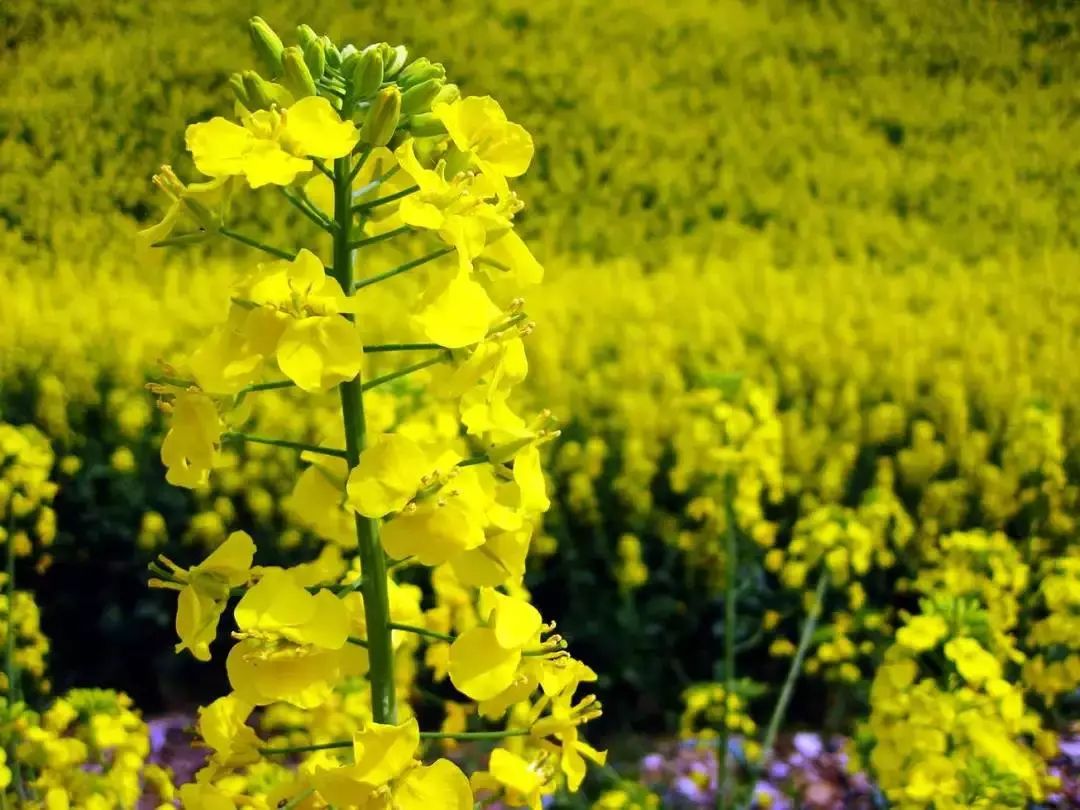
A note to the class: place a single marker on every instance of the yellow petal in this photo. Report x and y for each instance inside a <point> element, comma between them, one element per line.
<point>387,476</point>
<point>313,128</point>
<point>441,785</point>
<point>460,316</point>
<point>219,147</point>
<point>479,666</point>
<point>381,752</point>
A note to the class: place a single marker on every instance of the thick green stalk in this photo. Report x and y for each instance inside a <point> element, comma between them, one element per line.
<point>372,559</point>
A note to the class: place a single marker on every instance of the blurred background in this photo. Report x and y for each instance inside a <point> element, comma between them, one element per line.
<point>837,240</point>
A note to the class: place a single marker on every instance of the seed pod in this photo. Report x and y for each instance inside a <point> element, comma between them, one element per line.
<point>382,117</point>
<point>267,44</point>
<point>315,58</point>
<point>297,76</point>
<point>420,71</point>
<point>418,98</point>
<point>367,73</point>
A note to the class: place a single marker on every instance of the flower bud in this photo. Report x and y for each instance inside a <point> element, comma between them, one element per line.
<point>382,117</point>
<point>333,55</point>
<point>315,58</point>
<point>305,34</point>
<point>367,73</point>
<point>425,125</point>
<point>236,84</point>
<point>420,71</point>
<point>297,76</point>
<point>259,92</point>
<point>267,44</point>
<point>418,98</point>
<point>448,94</point>
<point>393,59</point>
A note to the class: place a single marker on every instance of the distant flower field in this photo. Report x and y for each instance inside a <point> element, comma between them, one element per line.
<point>610,405</point>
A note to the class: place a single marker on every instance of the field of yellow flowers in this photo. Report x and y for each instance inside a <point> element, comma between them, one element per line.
<point>577,405</point>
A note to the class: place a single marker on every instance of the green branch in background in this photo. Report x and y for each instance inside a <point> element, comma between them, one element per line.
<point>788,689</point>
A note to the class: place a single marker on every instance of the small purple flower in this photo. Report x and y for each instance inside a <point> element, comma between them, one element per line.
<point>808,744</point>
<point>652,763</point>
<point>689,789</point>
<point>1070,748</point>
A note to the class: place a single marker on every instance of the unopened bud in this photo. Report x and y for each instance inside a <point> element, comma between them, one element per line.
<point>420,71</point>
<point>305,35</point>
<point>333,55</point>
<point>447,95</point>
<point>425,125</point>
<point>260,94</point>
<point>367,73</point>
<point>418,98</point>
<point>297,76</point>
<point>382,117</point>
<point>267,44</point>
<point>394,57</point>
<point>236,84</point>
<point>315,58</point>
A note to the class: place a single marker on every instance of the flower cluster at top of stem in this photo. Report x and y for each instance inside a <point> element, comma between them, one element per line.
<point>372,147</point>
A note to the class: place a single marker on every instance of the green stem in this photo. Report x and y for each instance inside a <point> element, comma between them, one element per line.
<point>382,237</point>
<point>422,631</point>
<point>786,691</point>
<point>731,562</point>
<point>472,460</point>
<point>372,559</point>
<point>403,372</point>
<point>403,268</point>
<point>311,448</point>
<point>360,161</point>
<point>255,243</point>
<point>400,347</point>
<point>305,207</point>
<point>474,735</point>
<point>304,749</point>
<point>389,198</point>
<point>424,735</point>
<point>266,386</point>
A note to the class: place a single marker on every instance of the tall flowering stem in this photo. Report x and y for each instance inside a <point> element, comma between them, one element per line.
<point>462,501</point>
<point>372,560</point>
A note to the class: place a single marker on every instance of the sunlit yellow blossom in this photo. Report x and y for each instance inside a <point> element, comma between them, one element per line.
<point>272,146</point>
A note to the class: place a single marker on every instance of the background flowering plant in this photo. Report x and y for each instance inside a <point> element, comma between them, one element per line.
<point>817,345</point>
